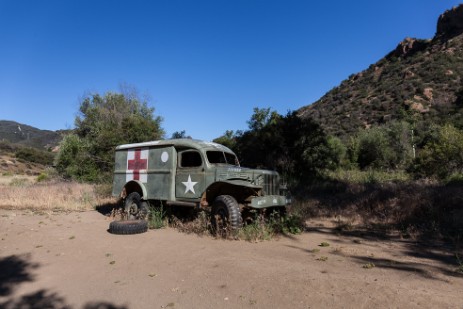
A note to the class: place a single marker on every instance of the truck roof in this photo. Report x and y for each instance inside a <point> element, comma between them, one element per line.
<point>181,142</point>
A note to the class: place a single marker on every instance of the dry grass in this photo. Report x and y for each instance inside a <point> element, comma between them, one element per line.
<point>417,209</point>
<point>26,193</point>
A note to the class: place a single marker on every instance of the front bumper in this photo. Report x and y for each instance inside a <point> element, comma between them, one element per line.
<point>269,201</point>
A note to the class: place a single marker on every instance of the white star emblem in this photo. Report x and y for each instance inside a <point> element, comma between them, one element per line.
<point>189,185</point>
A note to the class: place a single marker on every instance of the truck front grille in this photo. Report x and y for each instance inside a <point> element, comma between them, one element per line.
<point>271,185</point>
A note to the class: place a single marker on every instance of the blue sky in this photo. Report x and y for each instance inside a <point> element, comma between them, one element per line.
<point>204,64</point>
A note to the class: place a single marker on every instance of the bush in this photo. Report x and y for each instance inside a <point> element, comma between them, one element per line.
<point>442,155</point>
<point>373,149</point>
<point>34,155</point>
<point>42,177</point>
<point>74,160</point>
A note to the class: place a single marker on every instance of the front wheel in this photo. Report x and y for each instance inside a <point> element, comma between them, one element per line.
<point>135,208</point>
<point>226,216</point>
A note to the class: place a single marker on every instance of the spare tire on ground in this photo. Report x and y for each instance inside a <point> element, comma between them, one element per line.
<point>128,227</point>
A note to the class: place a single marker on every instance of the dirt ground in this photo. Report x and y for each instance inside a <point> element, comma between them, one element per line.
<point>69,260</point>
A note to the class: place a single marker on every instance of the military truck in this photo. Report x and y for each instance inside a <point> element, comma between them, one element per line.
<point>193,173</point>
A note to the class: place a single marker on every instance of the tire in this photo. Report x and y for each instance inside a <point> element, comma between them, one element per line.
<point>128,227</point>
<point>135,208</point>
<point>225,216</point>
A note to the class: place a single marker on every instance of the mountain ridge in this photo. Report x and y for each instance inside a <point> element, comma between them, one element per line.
<point>419,81</point>
<point>23,134</point>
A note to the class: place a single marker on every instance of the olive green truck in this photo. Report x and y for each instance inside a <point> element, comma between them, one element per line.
<point>192,173</point>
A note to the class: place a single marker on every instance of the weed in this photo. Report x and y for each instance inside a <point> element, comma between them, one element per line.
<point>257,230</point>
<point>368,266</point>
<point>197,223</point>
<point>289,224</point>
<point>324,244</point>
<point>156,218</point>
<point>42,177</point>
<point>112,262</point>
<point>322,259</point>
<point>315,250</point>
<point>72,237</point>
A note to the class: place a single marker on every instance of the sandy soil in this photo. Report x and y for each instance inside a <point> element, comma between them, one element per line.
<point>71,261</point>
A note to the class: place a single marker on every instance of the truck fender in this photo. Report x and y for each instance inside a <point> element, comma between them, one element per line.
<point>134,186</point>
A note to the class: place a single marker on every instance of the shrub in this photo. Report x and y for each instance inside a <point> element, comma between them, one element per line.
<point>442,154</point>
<point>42,177</point>
<point>34,155</point>
<point>373,149</point>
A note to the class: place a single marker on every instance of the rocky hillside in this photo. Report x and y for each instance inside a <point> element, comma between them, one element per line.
<point>17,133</point>
<point>420,81</point>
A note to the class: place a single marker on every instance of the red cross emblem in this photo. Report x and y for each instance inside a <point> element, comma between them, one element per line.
<point>137,164</point>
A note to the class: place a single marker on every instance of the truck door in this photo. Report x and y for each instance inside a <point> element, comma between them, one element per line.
<point>190,177</point>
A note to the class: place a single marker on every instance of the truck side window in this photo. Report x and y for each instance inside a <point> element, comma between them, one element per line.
<point>190,159</point>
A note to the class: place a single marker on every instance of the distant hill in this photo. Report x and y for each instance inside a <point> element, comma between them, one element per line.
<point>18,133</point>
<point>420,81</point>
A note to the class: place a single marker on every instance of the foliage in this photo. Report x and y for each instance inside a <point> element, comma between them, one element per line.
<point>368,176</point>
<point>180,134</point>
<point>261,118</point>
<point>228,139</point>
<point>257,230</point>
<point>442,155</point>
<point>373,149</point>
<point>266,227</point>
<point>337,152</point>
<point>74,159</point>
<point>156,219</point>
<point>297,148</point>
<point>103,123</point>
<point>383,147</point>
<point>34,155</point>
<point>287,224</point>
<point>43,177</point>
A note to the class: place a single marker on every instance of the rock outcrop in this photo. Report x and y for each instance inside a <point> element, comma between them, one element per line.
<point>450,23</point>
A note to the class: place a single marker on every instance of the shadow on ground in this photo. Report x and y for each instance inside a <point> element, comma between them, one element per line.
<point>17,270</point>
<point>445,254</point>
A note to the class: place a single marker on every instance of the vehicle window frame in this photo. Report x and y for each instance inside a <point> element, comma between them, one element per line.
<point>188,152</point>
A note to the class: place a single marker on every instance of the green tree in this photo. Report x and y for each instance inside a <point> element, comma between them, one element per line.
<point>103,123</point>
<point>180,134</point>
<point>228,139</point>
<point>336,153</point>
<point>261,118</point>
<point>298,148</point>
<point>74,160</point>
<point>374,150</point>
<point>442,155</point>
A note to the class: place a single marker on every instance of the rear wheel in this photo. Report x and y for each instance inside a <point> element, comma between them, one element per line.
<point>226,216</point>
<point>135,208</point>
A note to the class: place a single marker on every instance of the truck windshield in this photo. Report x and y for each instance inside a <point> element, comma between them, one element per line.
<point>219,157</point>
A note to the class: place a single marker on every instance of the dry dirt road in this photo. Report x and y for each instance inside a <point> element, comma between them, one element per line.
<point>71,261</point>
